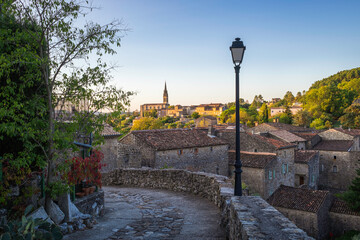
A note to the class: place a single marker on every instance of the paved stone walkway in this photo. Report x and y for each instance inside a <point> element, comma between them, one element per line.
<point>136,213</point>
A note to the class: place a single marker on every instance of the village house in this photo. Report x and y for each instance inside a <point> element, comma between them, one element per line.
<point>289,137</point>
<point>278,110</point>
<point>343,218</point>
<point>306,168</point>
<point>213,109</point>
<point>262,172</point>
<point>109,148</point>
<point>206,121</point>
<point>191,149</point>
<point>268,127</point>
<point>308,209</point>
<point>339,158</point>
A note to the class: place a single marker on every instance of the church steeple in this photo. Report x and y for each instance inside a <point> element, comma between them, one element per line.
<point>165,96</point>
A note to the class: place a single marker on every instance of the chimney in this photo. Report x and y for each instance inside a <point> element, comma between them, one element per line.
<point>211,131</point>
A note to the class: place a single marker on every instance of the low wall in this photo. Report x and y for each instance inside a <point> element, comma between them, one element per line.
<point>243,217</point>
<point>92,204</point>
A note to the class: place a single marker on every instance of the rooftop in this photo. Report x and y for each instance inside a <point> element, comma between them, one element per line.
<point>287,136</point>
<point>253,159</point>
<point>298,199</point>
<point>304,156</point>
<point>108,131</point>
<point>306,135</point>
<point>334,145</point>
<point>279,126</point>
<point>339,206</point>
<point>278,144</point>
<point>168,139</point>
<point>352,132</point>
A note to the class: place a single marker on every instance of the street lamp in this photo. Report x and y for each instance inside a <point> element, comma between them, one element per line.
<point>237,51</point>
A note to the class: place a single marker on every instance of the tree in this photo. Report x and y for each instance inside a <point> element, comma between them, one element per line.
<point>318,123</point>
<point>289,114</point>
<point>23,115</point>
<point>289,98</point>
<point>258,101</point>
<point>351,118</point>
<point>59,45</point>
<point>302,118</point>
<point>352,195</point>
<point>264,114</point>
<point>152,113</point>
<point>147,123</point>
<point>195,115</point>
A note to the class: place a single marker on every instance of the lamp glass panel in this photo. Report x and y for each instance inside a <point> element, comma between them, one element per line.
<point>237,54</point>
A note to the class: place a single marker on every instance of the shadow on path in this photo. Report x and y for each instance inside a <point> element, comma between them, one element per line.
<point>138,213</point>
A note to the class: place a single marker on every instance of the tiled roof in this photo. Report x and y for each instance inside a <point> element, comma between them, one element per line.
<point>167,139</point>
<point>288,127</point>
<point>334,145</point>
<point>306,135</point>
<point>340,206</point>
<point>298,198</point>
<point>109,131</point>
<point>287,136</point>
<point>253,159</point>
<point>279,144</point>
<point>304,156</point>
<point>352,132</point>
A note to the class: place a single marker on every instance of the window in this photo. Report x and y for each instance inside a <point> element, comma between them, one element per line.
<point>270,175</point>
<point>211,149</point>
<point>196,150</point>
<point>322,167</point>
<point>283,168</point>
<point>287,168</point>
<point>334,169</point>
<point>284,153</point>
<point>313,178</point>
<point>255,150</point>
<point>270,192</point>
<point>180,151</point>
<point>126,158</point>
<point>274,173</point>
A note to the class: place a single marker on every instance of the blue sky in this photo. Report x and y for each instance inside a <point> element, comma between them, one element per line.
<point>289,45</point>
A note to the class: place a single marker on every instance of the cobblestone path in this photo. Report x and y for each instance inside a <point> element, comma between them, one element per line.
<point>135,213</point>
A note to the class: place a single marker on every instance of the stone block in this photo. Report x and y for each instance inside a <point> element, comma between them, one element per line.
<point>55,213</point>
<point>40,213</point>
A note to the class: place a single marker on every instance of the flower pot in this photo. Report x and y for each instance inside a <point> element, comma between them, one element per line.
<point>79,194</point>
<point>86,191</point>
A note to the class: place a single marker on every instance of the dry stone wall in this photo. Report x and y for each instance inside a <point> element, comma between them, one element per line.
<point>243,217</point>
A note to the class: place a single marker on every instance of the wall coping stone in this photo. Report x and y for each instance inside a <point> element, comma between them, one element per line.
<point>245,217</point>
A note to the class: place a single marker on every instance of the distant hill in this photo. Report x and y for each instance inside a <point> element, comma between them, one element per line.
<point>328,98</point>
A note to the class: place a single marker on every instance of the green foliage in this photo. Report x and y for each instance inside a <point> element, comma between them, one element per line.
<point>352,195</point>
<point>166,166</point>
<point>258,101</point>
<point>152,113</point>
<point>195,115</point>
<point>284,118</point>
<point>351,118</point>
<point>302,118</point>
<point>318,124</point>
<point>29,229</point>
<point>147,123</point>
<point>350,235</point>
<point>288,99</point>
<point>332,95</point>
<point>264,113</point>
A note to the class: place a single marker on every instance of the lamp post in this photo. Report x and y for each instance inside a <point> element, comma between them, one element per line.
<point>237,51</point>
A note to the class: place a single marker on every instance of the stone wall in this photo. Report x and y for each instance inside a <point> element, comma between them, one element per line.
<point>109,148</point>
<point>341,223</point>
<point>92,204</point>
<point>243,217</point>
<point>213,159</point>
<point>337,169</point>
<point>254,178</point>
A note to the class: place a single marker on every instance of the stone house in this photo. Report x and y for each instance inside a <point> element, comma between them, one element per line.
<point>306,168</point>
<point>206,121</point>
<point>109,148</point>
<point>263,172</point>
<point>267,127</point>
<point>311,138</point>
<point>337,164</point>
<point>343,218</point>
<point>277,110</point>
<point>289,137</point>
<point>214,109</point>
<point>308,209</point>
<point>191,149</point>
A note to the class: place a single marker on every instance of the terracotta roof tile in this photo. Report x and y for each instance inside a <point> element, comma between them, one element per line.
<point>108,131</point>
<point>339,206</point>
<point>253,159</point>
<point>298,198</point>
<point>288,127</point>
<point>306,135</point>
<point>304,156</point>
<point>287,136</point>
<point>334,145</point>
<point>352,132</point>
<point>167,139</point>
<point>276,143</point>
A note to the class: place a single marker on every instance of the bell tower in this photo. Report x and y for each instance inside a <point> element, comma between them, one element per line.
<point>165,96</point>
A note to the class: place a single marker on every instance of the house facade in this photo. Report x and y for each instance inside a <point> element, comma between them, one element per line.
<point>191,149</point>
<point>307,168</point>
